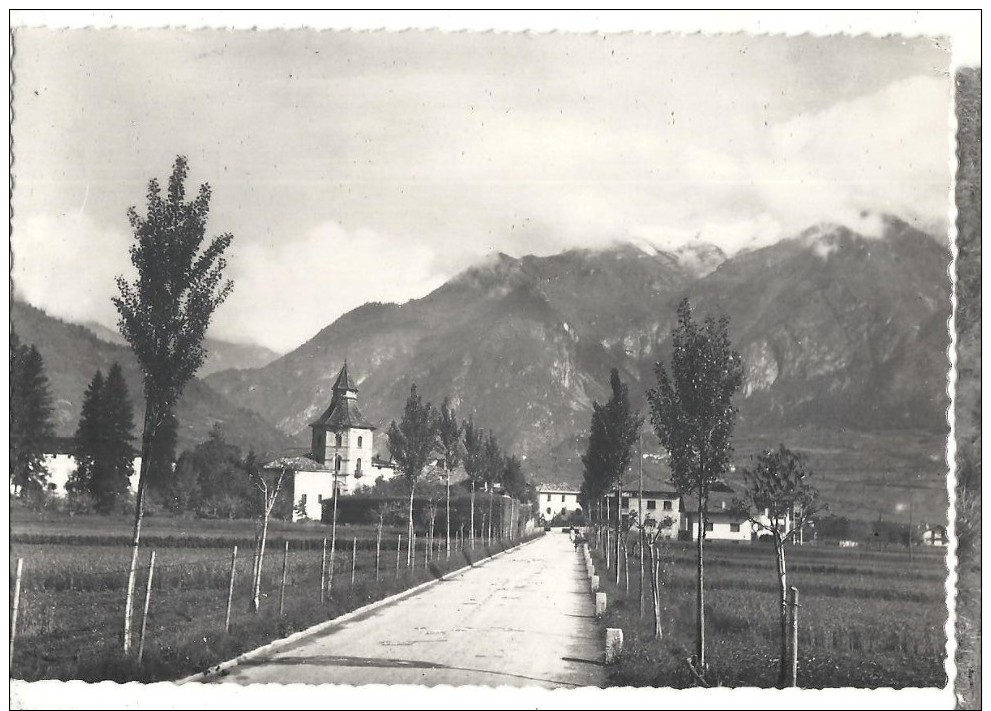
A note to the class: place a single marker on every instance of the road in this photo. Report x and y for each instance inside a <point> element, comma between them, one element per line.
<point>522,619</point>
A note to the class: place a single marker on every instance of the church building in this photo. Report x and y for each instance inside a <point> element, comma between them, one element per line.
<point>342,451</point>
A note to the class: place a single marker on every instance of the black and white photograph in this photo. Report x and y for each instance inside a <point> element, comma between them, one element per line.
<point>547,364</point>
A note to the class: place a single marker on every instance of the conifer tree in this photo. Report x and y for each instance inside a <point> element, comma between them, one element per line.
<point>30,418</point>
<point>112,478</point>
<point>88,438</point>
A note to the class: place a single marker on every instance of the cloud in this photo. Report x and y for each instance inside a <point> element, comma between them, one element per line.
<point>286,291</point>
<point>67,265</point>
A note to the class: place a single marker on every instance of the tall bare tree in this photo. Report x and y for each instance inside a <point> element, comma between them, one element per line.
<point>268,480</point>
<point>165,312</point>
<point>451,446</point>
<point>693,415</point>
<point>412,441</point>
<point>779,498</point>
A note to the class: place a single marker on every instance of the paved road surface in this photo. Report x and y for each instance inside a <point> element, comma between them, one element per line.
<point>522,619</point>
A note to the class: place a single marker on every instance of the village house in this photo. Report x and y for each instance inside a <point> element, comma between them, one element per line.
<point>59,460</point>
<point>723,523</point>
<point>342,453</point>
<point>556,500</point>
<point>935,536</point>
<point>656,508</point>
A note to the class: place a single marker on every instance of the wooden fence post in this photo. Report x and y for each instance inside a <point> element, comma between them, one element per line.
<point>282,586</point>
<point>794,636</point>
<point>230,592</point>
<point>323,571</point>
<point>144,614</point>
<point>17,604</point>
<point>399,547</point>
<point>354,558</point>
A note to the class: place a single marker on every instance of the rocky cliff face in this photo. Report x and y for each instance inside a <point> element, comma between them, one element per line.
<point>837,330</point>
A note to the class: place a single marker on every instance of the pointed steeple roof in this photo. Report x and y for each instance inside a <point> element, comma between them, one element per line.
<point>343,412</point>
<point>344,381</point>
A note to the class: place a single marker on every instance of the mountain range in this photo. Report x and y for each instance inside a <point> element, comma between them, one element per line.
<point>72,354</point>
<point>843,336</point>
<point>220,354</point>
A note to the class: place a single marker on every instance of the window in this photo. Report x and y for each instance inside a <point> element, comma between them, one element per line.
<point>337,440</point>
<point>548,497</point>
<point>359,441</point>
<point>626,502</point>
<point>302,500</point>
<point>337,462</point>
<point>548,509</point>
<point>319,498</point>
<point>357,466</point>
<point>667,505</point>
<point>562,497</point>
<point>734,527</point>
<point>708,525</point>
<point>651,504</point>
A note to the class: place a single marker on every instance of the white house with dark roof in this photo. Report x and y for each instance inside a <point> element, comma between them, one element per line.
<point>342,452</point>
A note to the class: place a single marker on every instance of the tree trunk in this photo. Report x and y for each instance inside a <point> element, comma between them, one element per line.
<point>256,588</point>
<point>147,436</point>
<point>472,529</point>
<point>655,582</point>
<point>626,566</point>
<point>642,542</point>
<point>409,530</point>
<point>700,593</point>
<point>448,514</point>
<point>333,537</point>
<point>779,551</point>
<point>619,503</point>
<point>490,515</point>
<point>378,549</point>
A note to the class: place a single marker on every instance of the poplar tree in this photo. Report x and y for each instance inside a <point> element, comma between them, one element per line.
<point>452,450</point>
<point>693,416</point>
<point>411,442</point>
<point>613,431</point>
<point>473,439</point>
<point>164,313</point>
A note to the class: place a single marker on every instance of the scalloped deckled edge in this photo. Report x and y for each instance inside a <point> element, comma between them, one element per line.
<point>57,693</point>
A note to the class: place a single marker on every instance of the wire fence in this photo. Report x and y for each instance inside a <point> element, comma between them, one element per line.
<point>68,605</point>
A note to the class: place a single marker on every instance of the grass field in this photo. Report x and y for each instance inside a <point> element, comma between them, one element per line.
<point>75,575</point>
<point>866,619</point>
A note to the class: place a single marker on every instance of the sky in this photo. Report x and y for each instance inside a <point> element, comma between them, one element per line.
<point>373,166</point>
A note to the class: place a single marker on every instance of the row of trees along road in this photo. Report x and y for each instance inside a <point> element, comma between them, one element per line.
<point>692,414</point>
<point>425,432</point>
<point>31,424</point>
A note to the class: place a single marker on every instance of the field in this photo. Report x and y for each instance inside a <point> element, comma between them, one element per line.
<point>866,618</point>
<point>75,574</point>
